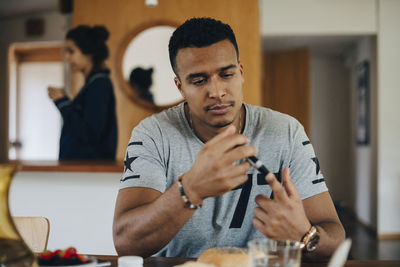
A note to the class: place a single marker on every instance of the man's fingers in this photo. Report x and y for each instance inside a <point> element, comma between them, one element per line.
<point>227,140</point>
<point>219,137</point>
<point>237,170</point>
<point>260,214</point>
<point>288,183</point>
<point>238,153</point>
<point>238,181</point>
<point>263,228</point>
<point>259,225</point>
<point>264,203</point>
<point>277,188</point>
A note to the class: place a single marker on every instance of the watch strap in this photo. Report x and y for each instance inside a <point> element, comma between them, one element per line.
<point>307,238</point>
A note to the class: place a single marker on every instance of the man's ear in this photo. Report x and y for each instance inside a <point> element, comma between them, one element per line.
<point>241,70</point>
<point>179,86</point>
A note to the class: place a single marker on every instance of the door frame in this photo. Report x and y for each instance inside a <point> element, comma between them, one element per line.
<point>22,53</point>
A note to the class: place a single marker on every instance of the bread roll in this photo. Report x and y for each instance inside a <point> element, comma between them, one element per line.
<point>225,257</point>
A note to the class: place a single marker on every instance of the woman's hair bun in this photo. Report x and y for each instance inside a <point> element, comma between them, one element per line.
<point>91,41</point>
<point>100,33</point>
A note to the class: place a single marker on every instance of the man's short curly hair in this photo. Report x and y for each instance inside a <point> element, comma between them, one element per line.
<point>199,32</point>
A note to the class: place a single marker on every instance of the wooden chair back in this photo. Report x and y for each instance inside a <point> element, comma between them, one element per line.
<point>34,231</point>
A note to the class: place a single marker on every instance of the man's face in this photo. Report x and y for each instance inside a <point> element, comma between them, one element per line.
<point>210,80</point>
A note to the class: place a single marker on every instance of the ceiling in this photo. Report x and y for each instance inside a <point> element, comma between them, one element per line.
<point>13,8</point>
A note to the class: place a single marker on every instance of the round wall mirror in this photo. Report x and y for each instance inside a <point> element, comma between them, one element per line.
<point>144,69</point>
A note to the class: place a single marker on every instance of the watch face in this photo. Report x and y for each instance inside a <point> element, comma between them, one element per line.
<point>312,245</point>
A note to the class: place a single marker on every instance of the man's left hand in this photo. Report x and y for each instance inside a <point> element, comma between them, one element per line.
<point>282,217</point>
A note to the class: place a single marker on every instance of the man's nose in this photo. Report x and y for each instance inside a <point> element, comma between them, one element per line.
<point>216,88</point>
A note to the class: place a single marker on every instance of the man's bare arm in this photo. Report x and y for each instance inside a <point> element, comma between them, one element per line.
<point>321,212</point>
<point>145,223</point>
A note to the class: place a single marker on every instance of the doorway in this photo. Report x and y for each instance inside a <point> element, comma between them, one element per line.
<point>34,121</point>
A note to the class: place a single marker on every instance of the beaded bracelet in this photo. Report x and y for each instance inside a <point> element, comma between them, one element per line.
<point>185,198</point>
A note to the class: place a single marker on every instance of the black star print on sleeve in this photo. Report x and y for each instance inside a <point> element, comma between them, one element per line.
<point>317,167</point>
<point>128,166</point>
<point>317,170</point>
<point>128,162</point>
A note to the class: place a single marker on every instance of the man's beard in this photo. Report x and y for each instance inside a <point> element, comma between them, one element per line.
<point>221,125</point>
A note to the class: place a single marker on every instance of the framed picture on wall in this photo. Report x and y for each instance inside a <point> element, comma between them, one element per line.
<point>362,104</point>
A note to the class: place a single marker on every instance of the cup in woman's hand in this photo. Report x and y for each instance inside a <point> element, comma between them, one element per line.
<point>55,93</point>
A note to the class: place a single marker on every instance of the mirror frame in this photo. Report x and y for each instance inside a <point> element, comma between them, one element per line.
<point>128,91</point>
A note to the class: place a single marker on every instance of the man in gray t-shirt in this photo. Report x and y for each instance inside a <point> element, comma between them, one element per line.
<point>187,185</point>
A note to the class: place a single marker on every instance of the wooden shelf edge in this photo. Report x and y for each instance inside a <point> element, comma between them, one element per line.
<point>70,166</point>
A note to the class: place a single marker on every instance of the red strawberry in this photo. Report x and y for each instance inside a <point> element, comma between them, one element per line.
<point>46,254</point>
<point>67,254</point>
<point>56,252</point>
<point>72,250</point>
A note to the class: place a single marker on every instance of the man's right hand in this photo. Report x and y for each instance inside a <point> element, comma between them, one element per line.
<point>214,172</point>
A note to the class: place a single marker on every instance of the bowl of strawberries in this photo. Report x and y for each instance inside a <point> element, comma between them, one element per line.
<point>65,258</point>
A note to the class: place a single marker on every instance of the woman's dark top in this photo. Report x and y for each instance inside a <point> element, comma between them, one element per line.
<point>90,124</point>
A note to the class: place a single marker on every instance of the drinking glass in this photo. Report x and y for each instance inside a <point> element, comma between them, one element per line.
<point>273,253</point>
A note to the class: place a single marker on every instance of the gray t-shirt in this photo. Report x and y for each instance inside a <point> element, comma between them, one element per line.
<point>163,147</point>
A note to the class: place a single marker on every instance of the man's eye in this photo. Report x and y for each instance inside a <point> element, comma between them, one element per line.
<point>198,81</point>
<point>227,75</point>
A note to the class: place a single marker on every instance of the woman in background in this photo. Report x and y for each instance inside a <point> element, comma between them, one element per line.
<point>90,127</point>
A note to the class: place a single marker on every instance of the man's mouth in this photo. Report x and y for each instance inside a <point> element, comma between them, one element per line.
<point>220,109</point>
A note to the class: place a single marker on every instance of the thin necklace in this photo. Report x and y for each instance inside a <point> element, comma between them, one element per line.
<point>192,126</point>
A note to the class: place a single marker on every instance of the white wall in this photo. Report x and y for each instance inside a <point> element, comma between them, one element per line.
<point>330,121</point>
<point>364,157</point>
<point>79,206</point>
<point>388,117</point>
<point>316,17</point>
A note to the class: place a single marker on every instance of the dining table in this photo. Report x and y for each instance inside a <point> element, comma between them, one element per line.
<point>170,262</point>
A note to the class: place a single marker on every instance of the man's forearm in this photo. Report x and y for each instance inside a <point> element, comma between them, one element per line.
<point>331,235</point>
<point>146,229</point>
